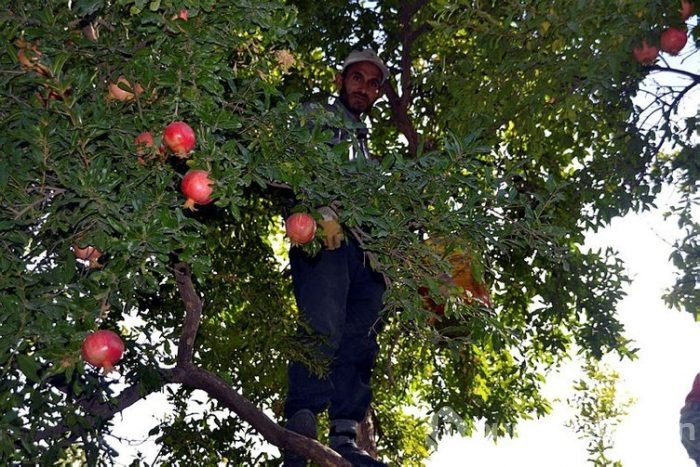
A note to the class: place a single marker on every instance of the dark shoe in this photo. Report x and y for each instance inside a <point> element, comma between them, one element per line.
<point>304,423</point>
<point>342,440</point>
<point>357,456</point>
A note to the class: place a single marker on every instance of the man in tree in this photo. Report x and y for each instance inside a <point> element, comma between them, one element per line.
<point>338,295</point>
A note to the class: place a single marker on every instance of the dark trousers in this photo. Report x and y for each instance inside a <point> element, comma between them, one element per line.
<point>339,296</point>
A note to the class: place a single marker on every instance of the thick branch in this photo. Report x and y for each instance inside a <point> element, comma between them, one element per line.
<point>400,116</point>
<point>193,313</point>
<point>399,104</point>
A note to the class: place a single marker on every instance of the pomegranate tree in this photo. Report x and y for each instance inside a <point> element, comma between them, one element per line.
<point>645,54</point>
<point>179,138</point>
<point>673,40</point>
<point>197,187</point>
<point>103,349</point>
<point>300,228</point>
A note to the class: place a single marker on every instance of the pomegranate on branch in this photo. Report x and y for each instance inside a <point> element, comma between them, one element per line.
<point>183,14</point>
<point>122,90</point>
<point>197,187</point>
<point>673,40</point>
<point>687,9</point>
<point>29,57</point>
<point>103,349</point>
<point>143,143</point>
<point>179,138</point>
<point>88,253</point>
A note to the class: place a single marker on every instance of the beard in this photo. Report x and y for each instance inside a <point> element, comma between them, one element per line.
<point>356,103</point>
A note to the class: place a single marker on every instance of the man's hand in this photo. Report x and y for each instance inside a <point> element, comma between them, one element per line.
<point>333,232</point>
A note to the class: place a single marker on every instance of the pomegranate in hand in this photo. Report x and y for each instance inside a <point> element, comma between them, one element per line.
<point>197,187</point>
<point>103,349</point>
<point>300,227</point>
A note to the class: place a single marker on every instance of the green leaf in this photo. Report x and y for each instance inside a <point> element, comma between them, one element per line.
<point>29,367</point>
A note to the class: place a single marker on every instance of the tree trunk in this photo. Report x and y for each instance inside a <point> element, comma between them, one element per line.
<point>367,434</point>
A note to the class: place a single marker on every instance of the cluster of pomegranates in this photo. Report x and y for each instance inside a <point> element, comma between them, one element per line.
<point>179,138</point>
<point>671,40</point>
<point>104,348</point>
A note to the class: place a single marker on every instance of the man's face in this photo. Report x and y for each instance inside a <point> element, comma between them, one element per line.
<point>360,87</point>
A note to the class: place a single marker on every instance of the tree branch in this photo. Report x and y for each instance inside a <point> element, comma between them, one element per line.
<point>694,76</point>
<point>193,313</point>
<point>399,104</point>
<point>668,109</point>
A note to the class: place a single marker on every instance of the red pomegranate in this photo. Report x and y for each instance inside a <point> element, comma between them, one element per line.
<point>179,137</point>
<point>197,187</point>
<point>300,227</point>
<point>103,349</point>
<point>673,40</point>
<point>143,141</point>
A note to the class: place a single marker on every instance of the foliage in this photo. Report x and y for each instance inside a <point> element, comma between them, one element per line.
<point>508,131</point>
<point>600,410</point>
